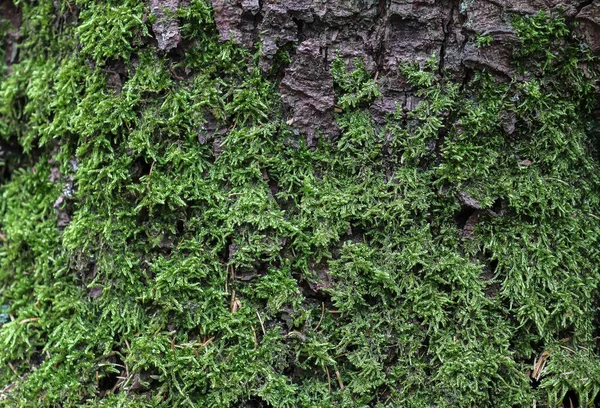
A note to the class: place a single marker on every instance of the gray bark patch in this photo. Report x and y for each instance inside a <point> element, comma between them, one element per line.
<point>166,27</point>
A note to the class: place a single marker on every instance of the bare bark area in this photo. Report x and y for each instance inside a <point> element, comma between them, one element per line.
<point>166,28</point>
<point>10,13</point>
<point>385,34</point>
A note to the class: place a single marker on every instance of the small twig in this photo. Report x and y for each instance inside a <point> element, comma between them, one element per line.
<point>541,371</point>
<point>297,334</point>
<point>328,379</point>
<point>539,365</point>
<point>207,342</point>
<point>235,303</point>
<point>117,386</point>
<point>594,216</point>
<point>150,173</point>
<point>12,368</point>
<point>568,349</point>
<point>559,180</point>
<point>4,391</point>
<point>195,344</point>
<point>31,319</point>
<point>339,378</point>
<point>322,313</point>
<point>261,323</point>
<point>234,125</point>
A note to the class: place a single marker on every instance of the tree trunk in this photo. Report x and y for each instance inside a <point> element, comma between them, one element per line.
<point>299,203</point>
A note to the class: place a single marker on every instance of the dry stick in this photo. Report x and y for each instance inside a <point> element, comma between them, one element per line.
<point>126,383</point>
<point>234,125</point>
<point>339,378</point>
<point>261,323</point>
<point>31,319</point>
<point>117,386</point>
<point>12,367</point>
<point>541,371</point>
<point>232,299</point>
<point>5,390</point>
<point>207,342</point>
<point>328,379</point>
<point>194,344</point>
<point>568,349</point>
<point>322,313</point>
<point>150,173</point>
<point>559,180</point>
<point>594,216</point>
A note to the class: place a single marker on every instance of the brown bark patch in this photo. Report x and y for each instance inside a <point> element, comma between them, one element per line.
<point>11,13</point>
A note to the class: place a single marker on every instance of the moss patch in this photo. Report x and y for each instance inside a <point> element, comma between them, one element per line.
<point>167,240</point>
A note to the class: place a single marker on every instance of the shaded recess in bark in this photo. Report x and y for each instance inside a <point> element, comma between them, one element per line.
<point>11,14</point>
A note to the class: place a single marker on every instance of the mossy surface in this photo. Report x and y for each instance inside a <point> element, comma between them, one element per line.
<point>167,240</point>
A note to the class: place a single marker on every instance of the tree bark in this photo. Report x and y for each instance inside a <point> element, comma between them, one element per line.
<point>299,203</point>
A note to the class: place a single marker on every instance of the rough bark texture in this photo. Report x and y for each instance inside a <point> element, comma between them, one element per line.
<point>166,27</point>
<point>167,238</point>
<point>384,34</point>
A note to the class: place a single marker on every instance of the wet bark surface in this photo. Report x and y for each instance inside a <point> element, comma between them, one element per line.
<point>384,34</point>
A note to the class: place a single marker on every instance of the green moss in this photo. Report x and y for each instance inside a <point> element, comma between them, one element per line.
<point>211,267</point>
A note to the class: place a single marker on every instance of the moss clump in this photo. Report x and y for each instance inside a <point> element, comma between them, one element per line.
<point>170,242</point>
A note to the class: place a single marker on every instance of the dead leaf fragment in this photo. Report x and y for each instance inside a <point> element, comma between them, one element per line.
<point>525,163</point>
